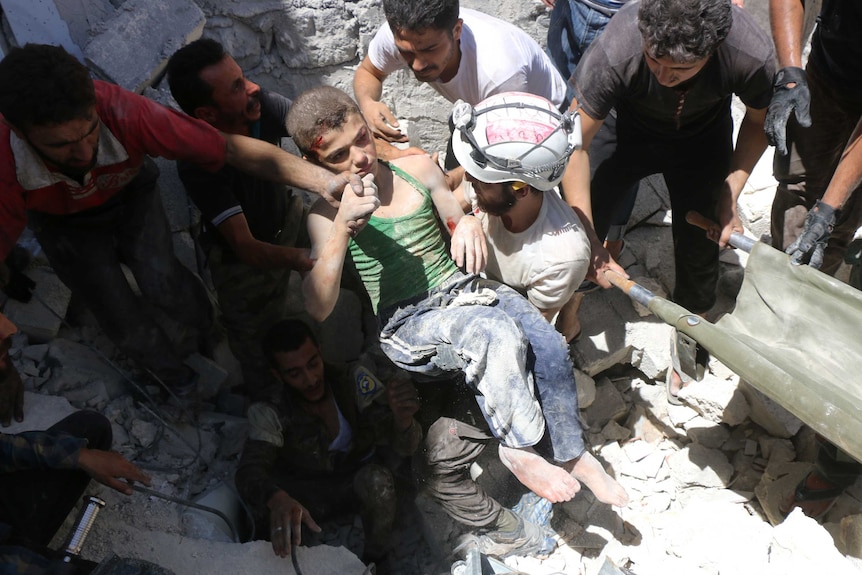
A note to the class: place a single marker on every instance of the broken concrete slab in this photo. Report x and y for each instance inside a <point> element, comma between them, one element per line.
<point>41,318</point>
<point>696,465</point>
<point>586,389</point>
<point>768,414</point>
<point>715,399</point>
<point>146,32</point>
<point>800,545</point>
<point>610,405</point>
<point>74,365</point>
<point>706,432</point>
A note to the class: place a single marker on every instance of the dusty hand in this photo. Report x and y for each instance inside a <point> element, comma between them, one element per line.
<point>403,400</point>
<point>336,185</point>
<point>787,99</point>
<point>600,262</point>
<point>356,207</point>
<point>383,122</point>
<point>468,248</point>
<point>11,389</point>
<point>286,516</point>
<point>109,467</point>
<point>810,246</point>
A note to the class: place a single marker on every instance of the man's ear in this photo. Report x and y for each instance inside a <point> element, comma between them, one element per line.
<point>206,113</point>
<point>456,31</point>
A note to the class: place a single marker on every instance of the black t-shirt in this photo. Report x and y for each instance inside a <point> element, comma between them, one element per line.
<point>229,191</point>
<point>836,46</point>
<point>614,74</point>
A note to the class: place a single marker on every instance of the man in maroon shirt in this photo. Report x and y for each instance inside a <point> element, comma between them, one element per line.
<point>74,163</point>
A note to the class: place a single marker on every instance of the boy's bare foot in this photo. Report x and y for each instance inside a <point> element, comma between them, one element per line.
<point>588,470</point>
<point>538,475</point>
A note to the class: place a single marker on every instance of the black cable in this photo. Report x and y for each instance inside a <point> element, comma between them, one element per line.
<point>187,503</point>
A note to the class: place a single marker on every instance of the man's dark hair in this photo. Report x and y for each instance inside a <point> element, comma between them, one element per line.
<point>417,15</point>
<point>315,112</point>
<point>184,70</point>
<point>286,335</point>
<point>41,85</point>
<point>684,30</point>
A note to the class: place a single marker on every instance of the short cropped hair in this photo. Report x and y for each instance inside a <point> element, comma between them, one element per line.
<point>41,85</point>
<point>285,336</point>
<point>317,111</point>
<point>684,30</point>
<point>184,69</point>
<point>417,15</point>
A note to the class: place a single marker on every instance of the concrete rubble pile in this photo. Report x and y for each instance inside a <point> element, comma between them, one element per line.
<point>706,478</point>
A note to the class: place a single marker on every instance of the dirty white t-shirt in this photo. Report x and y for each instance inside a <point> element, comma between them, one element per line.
<point>496,57</point>
<point>547,261</point>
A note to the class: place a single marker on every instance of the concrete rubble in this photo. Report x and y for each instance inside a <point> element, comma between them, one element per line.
<point>706,478</point>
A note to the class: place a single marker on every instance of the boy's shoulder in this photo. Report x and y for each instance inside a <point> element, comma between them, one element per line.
<point>421,167</point>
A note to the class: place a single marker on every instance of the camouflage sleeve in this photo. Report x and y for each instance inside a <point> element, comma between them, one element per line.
<point>39,450</point>
<point>254,479</point>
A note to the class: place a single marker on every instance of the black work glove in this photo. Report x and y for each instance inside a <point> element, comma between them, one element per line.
<point>811,244</point>
<point>785,101</point>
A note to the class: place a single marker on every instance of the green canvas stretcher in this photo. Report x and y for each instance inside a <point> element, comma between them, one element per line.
<point>794,335</point>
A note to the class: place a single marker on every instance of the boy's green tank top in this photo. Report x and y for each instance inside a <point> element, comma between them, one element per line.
<point>401,258</point>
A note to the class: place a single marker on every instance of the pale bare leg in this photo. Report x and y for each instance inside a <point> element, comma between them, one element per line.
<point>590,472</point>
<point>538,475</point>
<point>567,322</point>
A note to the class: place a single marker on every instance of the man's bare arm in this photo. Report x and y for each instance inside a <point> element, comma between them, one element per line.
<point>271,163</point>
<point>258,254</point>
<point>330,231</point>
<point>575,186</point>
<point>786,18</point>
<point>368,89</point>
<point>750,145</point>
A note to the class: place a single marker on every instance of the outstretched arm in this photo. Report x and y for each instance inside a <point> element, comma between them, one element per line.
<point>790,86</point>
<point>368,89</point>
<point>575,186</point>
<point>750,145</point>
<point>271,163</point>
<point>111,469</point>
<point>330,231</point>
<point>258,254</point>
<point>468,247</point>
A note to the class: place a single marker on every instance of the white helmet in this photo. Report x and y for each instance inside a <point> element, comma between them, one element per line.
<point>515,137</point>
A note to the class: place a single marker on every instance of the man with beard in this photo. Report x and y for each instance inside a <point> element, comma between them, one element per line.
<point>463,54</point>
<point>536,243</point>
<point>74,162</point>
<point>312,454</point>
<point>254,230</point>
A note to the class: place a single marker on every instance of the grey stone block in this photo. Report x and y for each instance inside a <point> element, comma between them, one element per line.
<point>144,33</point>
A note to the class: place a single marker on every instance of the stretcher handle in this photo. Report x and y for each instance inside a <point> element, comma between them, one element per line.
<point>630,287</point>
<point>737,240</point>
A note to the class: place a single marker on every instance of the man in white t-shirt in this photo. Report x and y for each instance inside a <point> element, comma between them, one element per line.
<point>463,54</point>
<point>514,148</point>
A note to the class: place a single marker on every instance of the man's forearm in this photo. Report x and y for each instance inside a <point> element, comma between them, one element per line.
<point>367,87</point>
<point>786,18</point>
<point>271,163</point>
<point>750,145</point>
<point>848,174</point>
<point>576,191</point>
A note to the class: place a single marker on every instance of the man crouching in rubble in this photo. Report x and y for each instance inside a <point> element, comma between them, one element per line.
<point>312,456</point>
<point>437,320</point>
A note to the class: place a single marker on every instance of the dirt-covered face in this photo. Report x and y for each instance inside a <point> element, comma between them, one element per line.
<point>302,370</point>
<point>349,148</point>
